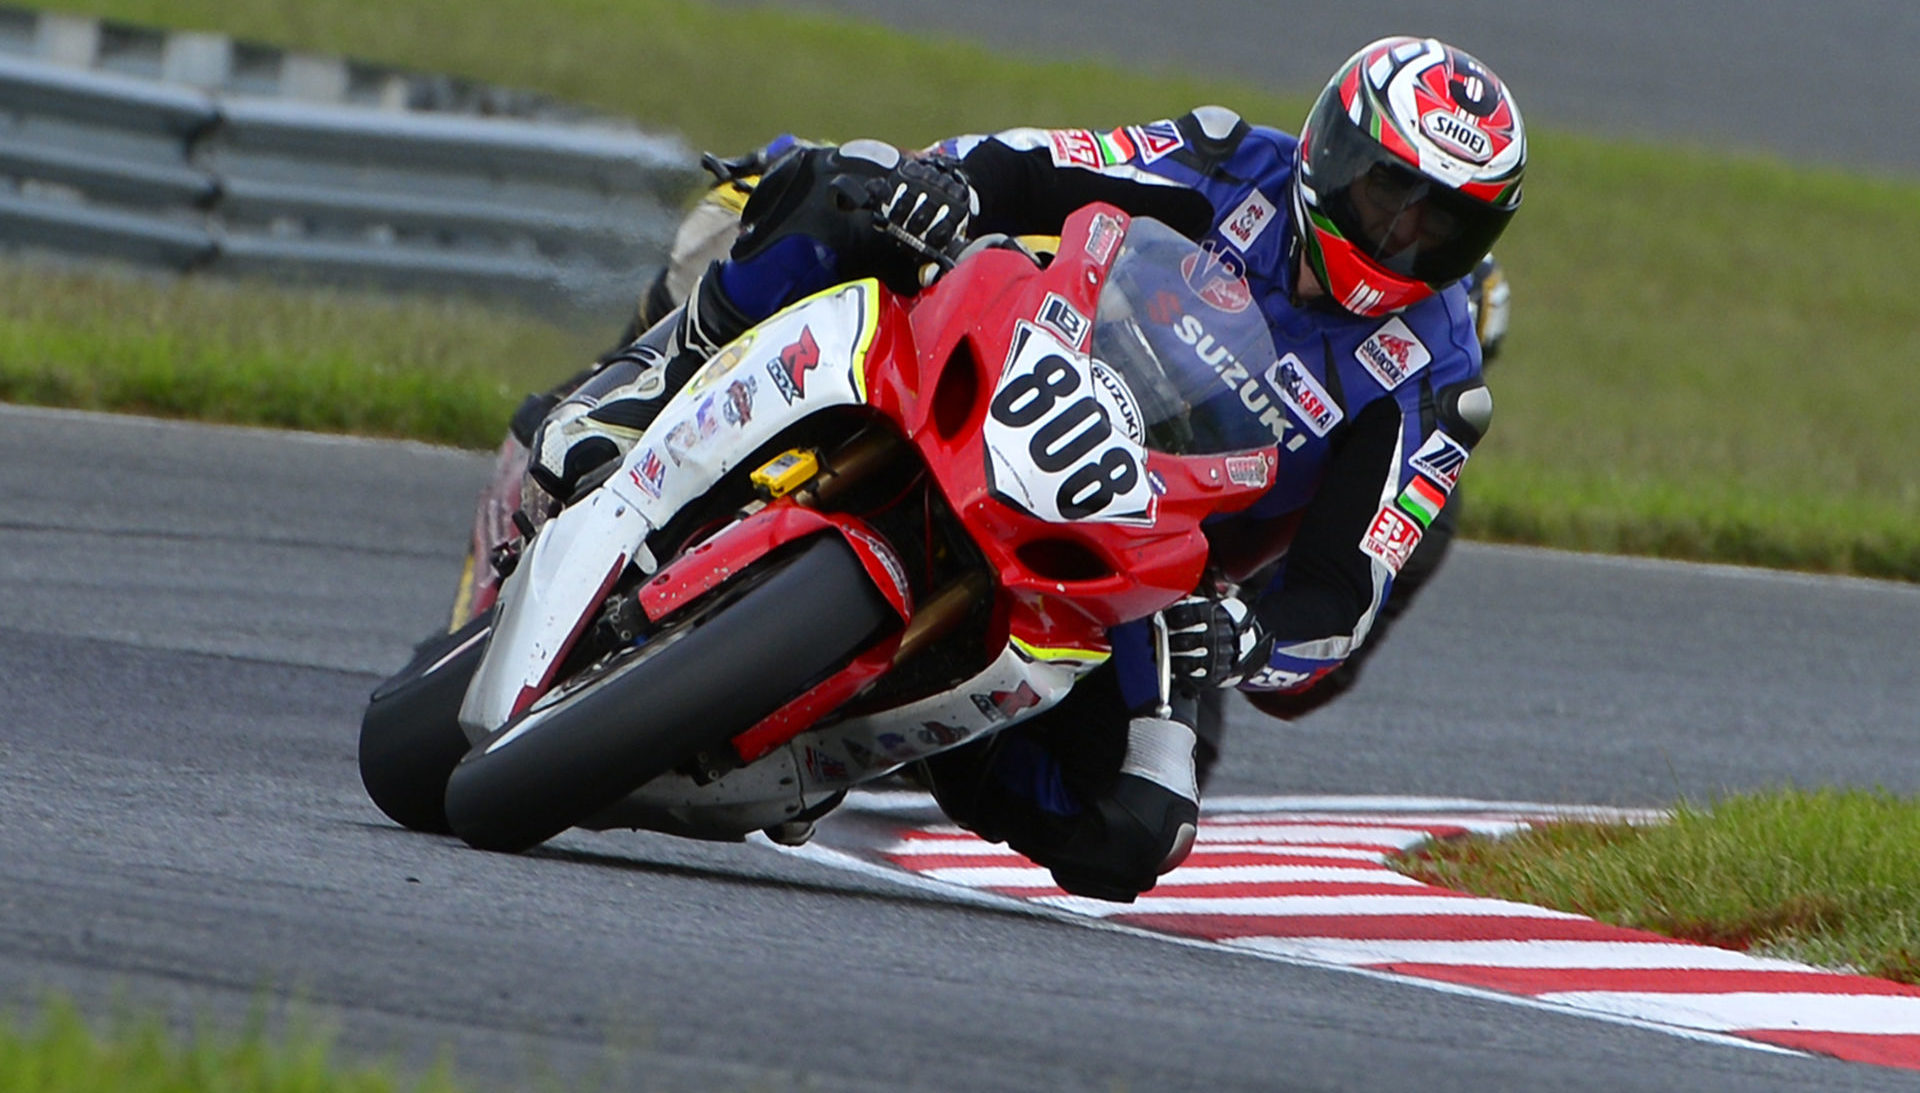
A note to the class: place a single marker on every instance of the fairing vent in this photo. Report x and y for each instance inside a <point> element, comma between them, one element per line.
<point>1063,560</point>
<point>956,397</point>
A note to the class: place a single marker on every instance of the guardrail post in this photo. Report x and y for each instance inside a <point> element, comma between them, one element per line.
<point>68,39</point>
<point>197,59</point>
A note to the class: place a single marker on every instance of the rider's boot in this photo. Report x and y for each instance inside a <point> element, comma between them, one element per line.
<point>1106,816</point>
<point>604,417</point>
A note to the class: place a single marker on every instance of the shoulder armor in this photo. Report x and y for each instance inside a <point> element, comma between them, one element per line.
<point>1465,411</point>
<point>1213,131</point>
<point>1216,122</point>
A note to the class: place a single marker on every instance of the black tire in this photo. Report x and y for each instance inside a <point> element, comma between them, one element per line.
<point>410,737</point>
<point>689,689</point>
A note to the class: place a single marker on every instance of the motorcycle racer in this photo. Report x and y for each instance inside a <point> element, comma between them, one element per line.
<point>1350,239</point>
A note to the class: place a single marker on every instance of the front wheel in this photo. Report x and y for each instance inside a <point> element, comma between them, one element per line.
<point>690,688</point>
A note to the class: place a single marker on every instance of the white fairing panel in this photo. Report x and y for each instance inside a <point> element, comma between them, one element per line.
<point>807,357</point>
<point>548,599</point>
<point>1012,689</point>
<point>804,359</point>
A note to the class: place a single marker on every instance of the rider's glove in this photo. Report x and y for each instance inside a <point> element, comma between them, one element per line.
<point>924,204</point>
<point>1214,641</point>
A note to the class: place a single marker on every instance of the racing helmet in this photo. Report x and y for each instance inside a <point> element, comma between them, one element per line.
<point>1407,170</point>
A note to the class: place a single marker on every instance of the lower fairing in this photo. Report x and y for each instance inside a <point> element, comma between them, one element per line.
<point>809,771</point>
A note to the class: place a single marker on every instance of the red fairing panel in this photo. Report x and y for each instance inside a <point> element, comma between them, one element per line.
<point>1063,580</point>
<point>707,566</point>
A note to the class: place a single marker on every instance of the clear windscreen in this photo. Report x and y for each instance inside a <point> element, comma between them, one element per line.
<point>1178,324</point>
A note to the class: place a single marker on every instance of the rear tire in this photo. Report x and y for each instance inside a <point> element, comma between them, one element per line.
<point>692,688</point>
<point>410,736</point>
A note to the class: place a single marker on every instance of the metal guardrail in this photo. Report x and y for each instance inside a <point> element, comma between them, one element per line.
<point>566,212</point>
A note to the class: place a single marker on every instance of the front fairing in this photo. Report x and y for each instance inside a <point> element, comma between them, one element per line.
<point>1070,560</point>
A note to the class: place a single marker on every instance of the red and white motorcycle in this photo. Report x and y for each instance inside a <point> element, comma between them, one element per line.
<point>870,529</point>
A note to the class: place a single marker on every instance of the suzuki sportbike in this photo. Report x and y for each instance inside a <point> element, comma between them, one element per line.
<point>871,529</point>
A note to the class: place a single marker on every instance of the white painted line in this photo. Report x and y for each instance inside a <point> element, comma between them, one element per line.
<point>1874,1015</point>
<point>1518,954</point>
<point>1331,906</point>
<point>974,848</point>
<point>1391,837</point>
<point>1281,850</point>
<point>951,848</point>
<point>1484,825</point>
<point>1218,806</point>
<point>894,801</point>
<point>1033,876</point>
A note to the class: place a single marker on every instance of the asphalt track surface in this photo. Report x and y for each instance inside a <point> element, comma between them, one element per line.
<point>1829,82</point>
<point>191,617</point>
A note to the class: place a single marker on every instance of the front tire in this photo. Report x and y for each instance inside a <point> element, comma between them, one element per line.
<point>691,688</point>
<point>410,736</point>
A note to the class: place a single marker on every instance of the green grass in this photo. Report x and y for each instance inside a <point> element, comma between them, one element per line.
<point>1827,876</point>
<point>60,1053</point>
<point>440,370</point>
<point>1712,357</point>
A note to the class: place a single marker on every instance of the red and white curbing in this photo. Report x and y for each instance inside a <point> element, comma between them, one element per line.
<point>1305,880</point>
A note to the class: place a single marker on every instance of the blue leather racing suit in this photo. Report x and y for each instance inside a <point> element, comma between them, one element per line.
<point>1373,417</point>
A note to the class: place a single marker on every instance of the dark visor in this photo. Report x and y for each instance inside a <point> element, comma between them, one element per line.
<point>1402,220</point>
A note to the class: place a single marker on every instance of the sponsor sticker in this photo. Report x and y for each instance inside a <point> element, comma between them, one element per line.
<point>1249,470</point>
<point>937,734</point>
<point>707,417</point>
<point>1102,237</point>
<point>1391,539</point>
<point>1245,223</point>
<point>1392,353</point>
<point>1304,396</point>
<point>1440,459</point>
<point>1126,410</point>
<point>1003,705</point>
<point>1457,135</point>
<point>1156,139</point>
<point>823,765</point>
<point>888,561</point>
<point>1277,679</point>
<point>1074,148</point>
<point>1217,276</point>
<point>1063,436</point>
<point>1422,500</point>
<point>650,474</point>
<point>681,441</point>
<point>1061,317</point>
<point>789,369</point>
<point>739,407</point>
<point>1115,147</point>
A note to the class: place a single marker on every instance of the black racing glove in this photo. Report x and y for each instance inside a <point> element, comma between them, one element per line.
<point>1214,641</point>
<point>924,204</point>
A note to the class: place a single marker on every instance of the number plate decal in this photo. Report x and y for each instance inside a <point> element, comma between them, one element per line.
<point>1063,440</point>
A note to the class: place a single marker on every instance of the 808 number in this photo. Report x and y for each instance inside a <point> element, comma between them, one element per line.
<point>1064,438</point>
